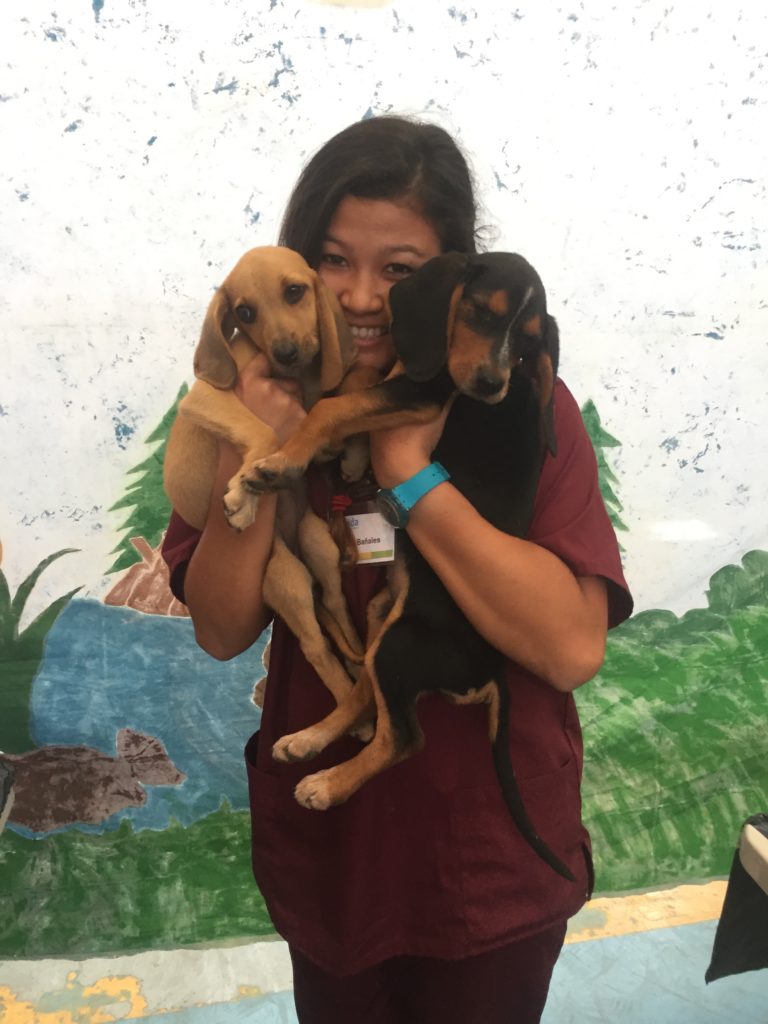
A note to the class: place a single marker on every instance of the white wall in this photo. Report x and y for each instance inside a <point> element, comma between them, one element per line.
<point>620,147</point>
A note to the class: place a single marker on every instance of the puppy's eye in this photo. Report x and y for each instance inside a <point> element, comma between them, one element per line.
<point>484,317</point>
<point>294,293</point>
<point>246,313</point>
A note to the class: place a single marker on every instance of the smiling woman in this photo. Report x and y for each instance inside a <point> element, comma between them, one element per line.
<point>418,898</point>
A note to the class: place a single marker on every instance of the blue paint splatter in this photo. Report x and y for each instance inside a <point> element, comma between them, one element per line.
<point>669,444</point>
<point>23,196</point>
<point>287,66</point>
<point>123,432</point>
<point>457,15</point>
<point>55,34</point>
<point>152,141</point>
<point>73,126</point>
<point>97,7</point>
<point>230,87</point>
<point>367,115</point>
<point>253,216</point>
<point>714,335</point>
<point>499,183</point>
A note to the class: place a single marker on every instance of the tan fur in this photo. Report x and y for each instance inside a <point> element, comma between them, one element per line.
<point>488,694</point>
<point>211,410</point>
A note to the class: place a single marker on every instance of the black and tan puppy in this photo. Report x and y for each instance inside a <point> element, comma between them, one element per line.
<point>475,329</point>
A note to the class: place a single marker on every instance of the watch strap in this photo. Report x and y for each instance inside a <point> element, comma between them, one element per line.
<point>414,488</point>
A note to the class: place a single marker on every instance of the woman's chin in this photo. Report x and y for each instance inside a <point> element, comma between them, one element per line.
<point>380,355</point>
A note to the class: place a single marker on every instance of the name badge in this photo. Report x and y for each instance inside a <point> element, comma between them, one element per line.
<point>374,537</point>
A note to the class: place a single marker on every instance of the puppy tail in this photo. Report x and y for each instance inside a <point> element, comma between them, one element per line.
<point>511,791</point>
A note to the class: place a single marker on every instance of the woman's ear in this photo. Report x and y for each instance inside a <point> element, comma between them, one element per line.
<point>334,336</point>
<point>213,362</point>
<point>421,306</point>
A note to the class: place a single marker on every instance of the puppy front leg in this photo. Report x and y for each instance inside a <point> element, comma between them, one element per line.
<point>394,403</point>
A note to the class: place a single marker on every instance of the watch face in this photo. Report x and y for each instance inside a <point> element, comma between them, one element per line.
<point>391,509</point>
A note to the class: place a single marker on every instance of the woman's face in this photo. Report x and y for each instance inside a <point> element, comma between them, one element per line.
<point>370,244</point>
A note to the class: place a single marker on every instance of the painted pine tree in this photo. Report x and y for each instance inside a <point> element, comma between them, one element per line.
<point>145,496</point>
<point>601,440</point>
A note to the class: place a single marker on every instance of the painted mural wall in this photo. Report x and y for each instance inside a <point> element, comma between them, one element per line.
<point>145,145</point>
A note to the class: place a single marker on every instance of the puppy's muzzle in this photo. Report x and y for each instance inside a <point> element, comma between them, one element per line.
<point>286,353</point>
<point>488,385</point>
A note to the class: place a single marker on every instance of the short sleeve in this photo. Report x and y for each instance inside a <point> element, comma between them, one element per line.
<point>178,545</point>
<point>570,518</point>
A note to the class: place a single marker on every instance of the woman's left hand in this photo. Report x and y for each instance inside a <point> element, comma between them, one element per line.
<point>399,452</point>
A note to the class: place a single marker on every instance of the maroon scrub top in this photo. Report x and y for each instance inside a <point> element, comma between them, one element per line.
<point>425,860</point>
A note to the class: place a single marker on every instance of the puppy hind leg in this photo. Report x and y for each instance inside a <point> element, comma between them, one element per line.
<point>356,707</point>
<point>288,591</point>
<point>336,785</point>
<point>321,556</point>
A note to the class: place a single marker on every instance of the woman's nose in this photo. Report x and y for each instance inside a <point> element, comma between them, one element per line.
<point>363,294</point>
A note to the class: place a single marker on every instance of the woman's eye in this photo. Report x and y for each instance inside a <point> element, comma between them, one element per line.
<point>333,259</point>
<point>246,313</point>
<point>399,269</point>
<point>294,293</point>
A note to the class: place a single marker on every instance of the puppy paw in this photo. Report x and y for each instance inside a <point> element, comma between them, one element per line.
<point>271,474</point>
<point>239,506</point>
<point>315,792</point>
<point>298,746</point>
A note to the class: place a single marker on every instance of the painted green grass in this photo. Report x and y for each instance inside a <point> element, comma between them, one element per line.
<point>677,749</point>
<point>125,891</point>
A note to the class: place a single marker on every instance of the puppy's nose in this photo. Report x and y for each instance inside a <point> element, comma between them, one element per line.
<point>286,352</point>
<point>487,384</point>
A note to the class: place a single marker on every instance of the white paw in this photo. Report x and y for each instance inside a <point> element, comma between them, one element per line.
<point>299,746</point>
<point>315,792</point>
<point>239,505</point>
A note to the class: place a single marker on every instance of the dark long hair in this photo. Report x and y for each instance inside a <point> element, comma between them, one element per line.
<point>384,158</point>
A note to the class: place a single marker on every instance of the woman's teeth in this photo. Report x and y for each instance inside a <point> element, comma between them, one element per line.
<point>366,333</point>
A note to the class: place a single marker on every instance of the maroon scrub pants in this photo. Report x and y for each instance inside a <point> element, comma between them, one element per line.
<point>506,986</point>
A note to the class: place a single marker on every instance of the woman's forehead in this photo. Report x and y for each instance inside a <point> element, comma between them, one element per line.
<point>385,225</point>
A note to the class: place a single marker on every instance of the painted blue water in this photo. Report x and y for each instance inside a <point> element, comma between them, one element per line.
<point>106,668</point>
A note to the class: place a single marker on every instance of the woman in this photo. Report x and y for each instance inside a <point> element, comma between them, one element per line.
<point>418,900</point>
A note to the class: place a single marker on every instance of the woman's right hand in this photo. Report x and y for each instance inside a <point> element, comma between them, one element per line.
<point>274,400</point>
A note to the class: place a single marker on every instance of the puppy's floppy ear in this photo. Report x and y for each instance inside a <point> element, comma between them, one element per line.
<point>422,309</point>
<point>542,330</point>
<point>213,362</point>
<point>334,336</point>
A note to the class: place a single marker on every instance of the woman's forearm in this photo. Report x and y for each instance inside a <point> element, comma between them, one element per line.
<point>223,584</point>
<point>519,596</point>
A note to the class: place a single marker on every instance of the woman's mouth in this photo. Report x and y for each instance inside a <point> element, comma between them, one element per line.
<point>368,335</point>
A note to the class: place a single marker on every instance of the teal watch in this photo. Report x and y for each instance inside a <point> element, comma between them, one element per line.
<point>395,505</point>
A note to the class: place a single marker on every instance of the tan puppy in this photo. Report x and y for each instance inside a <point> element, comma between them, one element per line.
<point>271,302</point>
